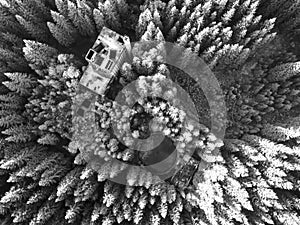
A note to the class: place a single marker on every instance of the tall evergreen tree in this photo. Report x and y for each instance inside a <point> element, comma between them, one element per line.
<point>58,33</point>
<point>20,83</point>
<point>63,31</point>
<point>37,53</point>
<point>33,29</point>
<point>285,71</point>
<point>8,23</point>
<point>80,15</point>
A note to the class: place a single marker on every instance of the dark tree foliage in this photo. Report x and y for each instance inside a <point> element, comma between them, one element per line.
<point>250,45</point>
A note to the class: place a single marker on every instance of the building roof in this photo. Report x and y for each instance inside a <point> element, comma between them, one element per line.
<point>98,59</point>
<point>105,57</point>
<point>112,54</point>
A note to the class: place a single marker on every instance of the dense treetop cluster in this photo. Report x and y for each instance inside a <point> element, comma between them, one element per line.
<point>46,174</point>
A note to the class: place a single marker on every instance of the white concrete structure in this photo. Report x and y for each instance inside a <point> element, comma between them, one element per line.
<point>105,59</point>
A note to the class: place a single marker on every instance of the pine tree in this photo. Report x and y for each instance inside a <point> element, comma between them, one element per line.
<point>22,133</point>
<point>35,30</point>
<point>63,30</point>
<point>152,33</point>
<point>59,35</point>
<point>74,212</point>
<point>286,12</point>
<point>12,41</point>
<point>99,19</point>
<point>39,196</point>
<point>20,83</point>
<point>86,190</point>
<point>43,9</point>
<point>62,7</point>
<point>67,184</point>
<point>38,53</point>
<point>122,7</point>
<point>11,120</point>
<point>79,15</point>
<point>14,195</point>
<point>8,23</point>
<point>49,139</point>
<point>144,20</point>
<point>281,133</point>
<point>171,15</point>
<point>33,11</point>
<point>111,16</point>
<point>48,210</point>
<point>284,71</point>
<point>15,60</point>
<point>18,159</point>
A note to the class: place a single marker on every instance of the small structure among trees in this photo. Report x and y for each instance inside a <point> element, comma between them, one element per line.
<point>105,59</point>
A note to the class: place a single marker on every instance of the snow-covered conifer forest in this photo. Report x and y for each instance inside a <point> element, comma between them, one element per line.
<point>251,46</point>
